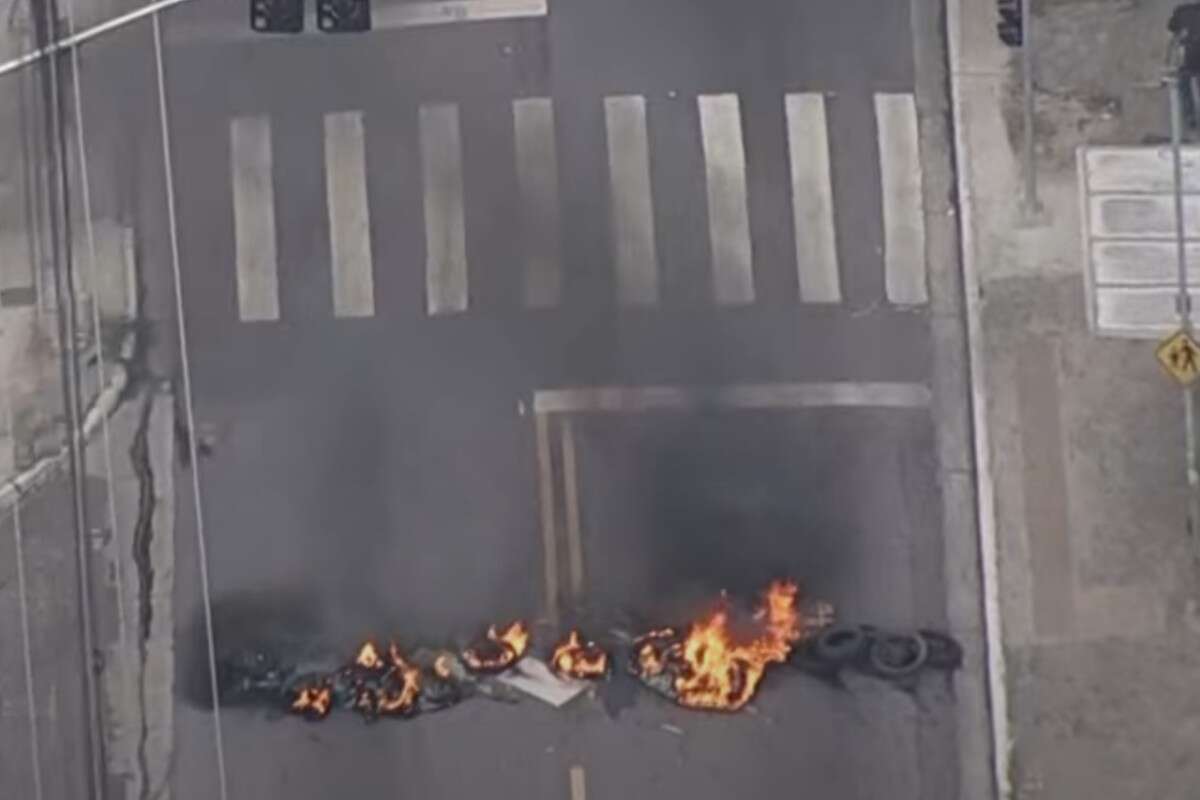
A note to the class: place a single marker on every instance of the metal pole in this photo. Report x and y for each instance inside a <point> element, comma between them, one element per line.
<point>1183,301</point>
<point>1032,204</point>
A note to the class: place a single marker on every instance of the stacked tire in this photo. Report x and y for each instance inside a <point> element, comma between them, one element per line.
<point>892,655</point>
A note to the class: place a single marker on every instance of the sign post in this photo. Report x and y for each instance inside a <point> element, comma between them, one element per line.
<point>1179,352</point>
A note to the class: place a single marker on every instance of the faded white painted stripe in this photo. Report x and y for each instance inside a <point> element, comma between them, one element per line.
<point>812,198</point>
<point>254,218</point>
<point>349,215</point>
<point>578,783</point>
<point>728,213</point>
<point>409,14</point>
<point>570,467</point>
<point>903,205</point>
<point>632,202</point>
<point>445,228</point>
<point>537,178</point>
<point>634,399</point>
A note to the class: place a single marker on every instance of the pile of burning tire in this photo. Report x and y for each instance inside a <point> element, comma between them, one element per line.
<point>891,655</point>
<point>714,663</point>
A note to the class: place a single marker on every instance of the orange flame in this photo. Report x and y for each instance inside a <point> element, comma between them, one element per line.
<point>368,656</point>
<point>712,668</point>
<point>313,701</point>
<point>575,658</point>
<point>500,650</point>
<point>441,666</point>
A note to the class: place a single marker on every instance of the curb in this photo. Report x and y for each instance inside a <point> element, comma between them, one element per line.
<point>1001,740</point>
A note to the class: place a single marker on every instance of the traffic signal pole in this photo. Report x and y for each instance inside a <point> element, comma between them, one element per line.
<point>1033,206</point>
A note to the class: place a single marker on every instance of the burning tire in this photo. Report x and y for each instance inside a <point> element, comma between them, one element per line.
<point>897,655</point>
<point>945,653</point>
<point>840,645</point>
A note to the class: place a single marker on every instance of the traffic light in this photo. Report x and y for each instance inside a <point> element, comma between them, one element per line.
<point>1010,28</point>
<point>277,16</point>
<point>344,16</point>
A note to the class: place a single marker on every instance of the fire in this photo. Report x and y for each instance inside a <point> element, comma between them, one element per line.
<point>499,650</point>
<point>575,658</point>
<point>314,701</point>
<point>442,667</point>
<point>710,666</point>
<point>368,657</point>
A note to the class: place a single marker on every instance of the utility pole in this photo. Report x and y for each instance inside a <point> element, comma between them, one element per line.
<point>1183,300</point>
<point>46,31</point>
<point>1033,206</point>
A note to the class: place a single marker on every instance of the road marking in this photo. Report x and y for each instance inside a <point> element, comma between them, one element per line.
<point>546,506</point>
<point>403,15</point>
<point>254,218</point>
<point>812,198</point>
<point>189,411</point>
<point>349,215</point>
<point>445,228</point>
<point>728,215</point>
<point>903,205</point>
<point>635,399</point>
<point>632,202</point>
<point>571,501</point>
<point>537,177</point>
<point>578,784</point>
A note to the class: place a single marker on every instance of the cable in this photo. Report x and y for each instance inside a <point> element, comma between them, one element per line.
<point>45,24</point>
<point>189,411</point>
<point>26,648</point>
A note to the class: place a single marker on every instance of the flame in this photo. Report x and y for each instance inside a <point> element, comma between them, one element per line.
<point>441,666</point>
<point>710,666</point>
<point>313,701</point>
<point>575,658</point>
<point>368,656</point>
<point>500,649</point>
<point>652,649</point>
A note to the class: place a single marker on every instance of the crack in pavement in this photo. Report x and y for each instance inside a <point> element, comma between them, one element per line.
<point>143,534</point>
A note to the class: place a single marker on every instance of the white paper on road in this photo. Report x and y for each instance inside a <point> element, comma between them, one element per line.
<point>537,177</point>
<point>349,216</point>
<point>728,214</point>
<point>632,202</point>
<point>254,218</point>
<point>812,199</point>
<point>534,678</point>
<point>903,204</point>
<point>445,228</point>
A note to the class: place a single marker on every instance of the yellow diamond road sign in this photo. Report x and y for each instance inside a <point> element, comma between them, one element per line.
<point>1180,356</point>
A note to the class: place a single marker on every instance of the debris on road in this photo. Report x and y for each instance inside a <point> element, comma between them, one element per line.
<point>532,677</point>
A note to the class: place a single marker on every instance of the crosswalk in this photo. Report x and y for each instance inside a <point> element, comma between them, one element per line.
<point>632,201</point>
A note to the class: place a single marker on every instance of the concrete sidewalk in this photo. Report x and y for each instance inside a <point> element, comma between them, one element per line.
<point>1098,581</point>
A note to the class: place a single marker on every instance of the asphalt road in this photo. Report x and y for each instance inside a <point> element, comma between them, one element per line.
<point>380,473</point>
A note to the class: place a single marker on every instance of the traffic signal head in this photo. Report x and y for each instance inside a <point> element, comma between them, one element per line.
<point>344,16</point>
<point>277,16</point>
<point>1010,27</point>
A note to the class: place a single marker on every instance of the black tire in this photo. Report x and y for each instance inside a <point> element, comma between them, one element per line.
<point>945,653</point>
<point>840,645</point>
<point>897,655</point>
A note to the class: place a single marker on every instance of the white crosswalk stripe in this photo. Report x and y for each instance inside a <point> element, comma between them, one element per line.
<point>728,214</point>
<point>254,218</point>
<point>812,199</point>
<point>445,223</point>
<point>903,206</point>
<point>631,196</point>
<point>349,218</point>
<point>634,246</point>
<point>537,178</point>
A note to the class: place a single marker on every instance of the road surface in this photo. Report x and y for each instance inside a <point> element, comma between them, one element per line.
<point>611,309</point>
